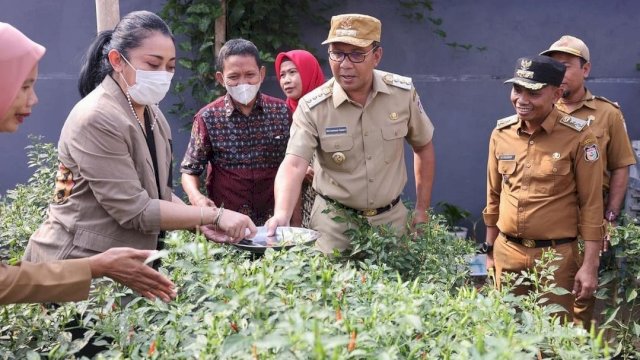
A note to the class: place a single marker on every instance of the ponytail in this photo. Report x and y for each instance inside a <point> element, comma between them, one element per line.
<point>95,66</point>
<point>132,29</point>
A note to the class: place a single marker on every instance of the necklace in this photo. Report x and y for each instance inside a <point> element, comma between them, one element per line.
<point>155,117</point>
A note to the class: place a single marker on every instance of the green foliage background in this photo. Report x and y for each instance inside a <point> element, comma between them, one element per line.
<point>193,21</point>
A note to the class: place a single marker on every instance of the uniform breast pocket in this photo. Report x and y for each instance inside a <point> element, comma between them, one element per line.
<point>393,141</point>
<point>506,168</point>
<point>337,153</point>
<point>554,176</point>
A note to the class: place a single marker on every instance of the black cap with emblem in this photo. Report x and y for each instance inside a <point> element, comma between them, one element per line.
<point>536,72</point>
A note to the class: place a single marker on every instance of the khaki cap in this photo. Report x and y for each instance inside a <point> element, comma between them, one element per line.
<point>569,45</point>
<point>354,29</point>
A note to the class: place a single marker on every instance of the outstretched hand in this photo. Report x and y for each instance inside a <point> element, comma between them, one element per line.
<point>237,226</point>
<point>126,266</point>
<point>273,223</point>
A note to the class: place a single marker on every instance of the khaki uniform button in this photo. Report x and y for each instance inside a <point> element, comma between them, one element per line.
<point>555,170</point>
<point>525,187</point>
<point>531,142</point>
<point>521,209</point>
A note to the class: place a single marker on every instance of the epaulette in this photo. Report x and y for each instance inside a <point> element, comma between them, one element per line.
<point>607,100</point>
<point>504,122</point>
<point>402,82</point>
<point>319,94</point>
<point>573,122</point>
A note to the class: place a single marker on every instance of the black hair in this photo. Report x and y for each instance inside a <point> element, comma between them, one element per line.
<point>132,29</point>
<point>237,47</point>
<point>582,62</point>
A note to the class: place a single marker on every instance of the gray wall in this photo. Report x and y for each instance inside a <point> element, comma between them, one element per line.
<point>462,91</point>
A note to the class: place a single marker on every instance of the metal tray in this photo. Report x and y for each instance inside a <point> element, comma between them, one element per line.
<point>285,238</point>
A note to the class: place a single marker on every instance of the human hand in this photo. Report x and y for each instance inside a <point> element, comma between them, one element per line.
<point>419,217</point>
<point>126,266</point>
<point>203,201</point>
<point>490,263</point>
<point>210,232</point>
<point>273,223</point>
<point>585,283</point>
<point>308,176</point>
<point>237,226</point>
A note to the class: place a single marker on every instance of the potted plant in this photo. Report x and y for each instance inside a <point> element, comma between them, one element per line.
<point>453,216</point>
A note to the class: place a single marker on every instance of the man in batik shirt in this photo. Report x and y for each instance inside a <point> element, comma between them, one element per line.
<point>242,136</point>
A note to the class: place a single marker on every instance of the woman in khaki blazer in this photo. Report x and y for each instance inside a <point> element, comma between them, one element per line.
<point>66,280</point>
<point>113,185</point>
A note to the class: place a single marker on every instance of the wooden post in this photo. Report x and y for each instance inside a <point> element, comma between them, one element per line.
<point>220,29</point>
<point>107,14</point>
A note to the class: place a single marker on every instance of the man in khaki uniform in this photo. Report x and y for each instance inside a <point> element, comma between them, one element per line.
<point>541,192</point>
<point>606,122</point>
<point>356,124</point>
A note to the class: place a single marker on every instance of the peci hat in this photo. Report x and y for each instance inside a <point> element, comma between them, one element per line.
<point>536,72</point>
<point>354,29</point>
<point>569,45</point>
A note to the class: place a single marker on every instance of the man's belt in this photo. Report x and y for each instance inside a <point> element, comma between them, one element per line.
<point>531,243</point>
<point>365,212</point>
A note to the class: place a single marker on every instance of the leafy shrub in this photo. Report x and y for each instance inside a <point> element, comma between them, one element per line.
<point>391,298</point>
<point>23,208</point>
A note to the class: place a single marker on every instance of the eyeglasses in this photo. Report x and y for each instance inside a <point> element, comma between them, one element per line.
<point>355,57</point>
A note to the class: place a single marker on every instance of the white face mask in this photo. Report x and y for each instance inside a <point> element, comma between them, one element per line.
<point>150,87</point>
<point>243,93</point>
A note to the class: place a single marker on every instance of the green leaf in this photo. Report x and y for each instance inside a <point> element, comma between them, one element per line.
<point>186,63</point>
<point>612,316</point>
<point>205,46</point>
<point>559,291</point>
<point>631,294</point>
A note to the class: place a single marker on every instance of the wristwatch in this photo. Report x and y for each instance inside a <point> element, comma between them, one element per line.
<point>485,248</point>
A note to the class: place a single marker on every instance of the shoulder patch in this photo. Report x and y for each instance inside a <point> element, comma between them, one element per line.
<point>607,100</point>
<point>503,123</point>
<point>574,123</point>
<point>402,82</point>
<point>319,94</point>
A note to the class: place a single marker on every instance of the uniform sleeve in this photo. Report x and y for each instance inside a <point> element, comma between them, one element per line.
<point>619,151</point>
<point>420,127</point>
<point>67,280</point>
<point>491,212</point>
<point>103,155</point>
<point>590,203</point>
<point>199,150</point>
<point>303,136</point>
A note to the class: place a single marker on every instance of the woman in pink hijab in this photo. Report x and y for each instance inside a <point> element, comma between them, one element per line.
<point>19,58</point>
<point>67,280</point>
<point>299,73</point>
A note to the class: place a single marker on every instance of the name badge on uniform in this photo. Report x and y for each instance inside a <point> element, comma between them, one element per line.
<point>335,130</point>
<point>506,157</point>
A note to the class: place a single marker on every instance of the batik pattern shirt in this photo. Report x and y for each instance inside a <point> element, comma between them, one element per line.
<point>243,153</point>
